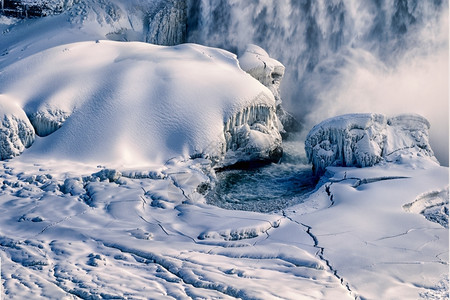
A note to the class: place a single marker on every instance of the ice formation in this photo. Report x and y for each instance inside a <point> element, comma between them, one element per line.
<point>127,103</point>
<point>16,132</point>
<point>46,122</point>
<point>363,140</point>
<point>252,134</point>
<point>257,62</point>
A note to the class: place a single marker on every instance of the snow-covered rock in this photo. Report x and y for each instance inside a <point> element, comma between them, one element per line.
<point>257,62</point>
<point>16,132</point>
<point>129,103</point>
<point>363,140</point>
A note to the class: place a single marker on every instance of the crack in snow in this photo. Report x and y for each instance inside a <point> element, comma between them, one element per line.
<point>321,256</point>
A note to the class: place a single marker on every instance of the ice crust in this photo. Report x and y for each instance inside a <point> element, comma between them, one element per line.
<point>16,132</point>
<point>363,140</point>
<point>130,103</point>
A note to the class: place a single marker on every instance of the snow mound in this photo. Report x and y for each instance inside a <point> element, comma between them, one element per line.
<point>128,103</point>
<point>16,132</point>
<point>363,140</point>
<point>257,62</point>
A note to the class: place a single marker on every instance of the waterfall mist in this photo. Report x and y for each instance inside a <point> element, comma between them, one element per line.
<point>343,56</point>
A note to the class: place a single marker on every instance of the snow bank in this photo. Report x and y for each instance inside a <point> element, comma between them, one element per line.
<point>362,140</point>
<point>257,62</point>
<point>16,132</point>
<point>128,103</point>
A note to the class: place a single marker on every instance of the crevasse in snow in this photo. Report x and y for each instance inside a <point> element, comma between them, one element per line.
<point>362,140</point>
<point>16,132</point>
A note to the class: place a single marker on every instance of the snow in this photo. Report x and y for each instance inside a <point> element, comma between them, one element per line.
<point>134,103</point>
<point>110,205</point>
<point>363,140</point>
<point>370,240</point>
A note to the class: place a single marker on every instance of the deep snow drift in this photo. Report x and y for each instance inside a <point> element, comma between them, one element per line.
<point>135,102</point>
<point>363,140</point>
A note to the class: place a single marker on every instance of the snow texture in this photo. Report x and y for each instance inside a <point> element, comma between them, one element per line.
<point>363,140</point>
<point>432,205</point>
<point>134,102</point>
<point>72,230</point>
<point>16,132</point>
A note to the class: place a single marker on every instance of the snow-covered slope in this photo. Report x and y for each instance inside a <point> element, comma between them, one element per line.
<point>363,140</point>
<point>135,102</point>
<point>70,230</point>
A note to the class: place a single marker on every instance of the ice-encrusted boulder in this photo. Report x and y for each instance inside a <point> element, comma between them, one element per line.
<point>133,103</point>
<point>16,132</point>
<point>252,135</point>
<point>257,62</point>
<point>363,140</point>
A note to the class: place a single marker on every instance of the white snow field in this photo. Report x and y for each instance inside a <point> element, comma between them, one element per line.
<point>108,200</point>
<point>70,230</point>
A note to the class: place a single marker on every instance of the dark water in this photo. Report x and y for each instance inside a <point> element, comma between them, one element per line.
<point>267,188</point>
